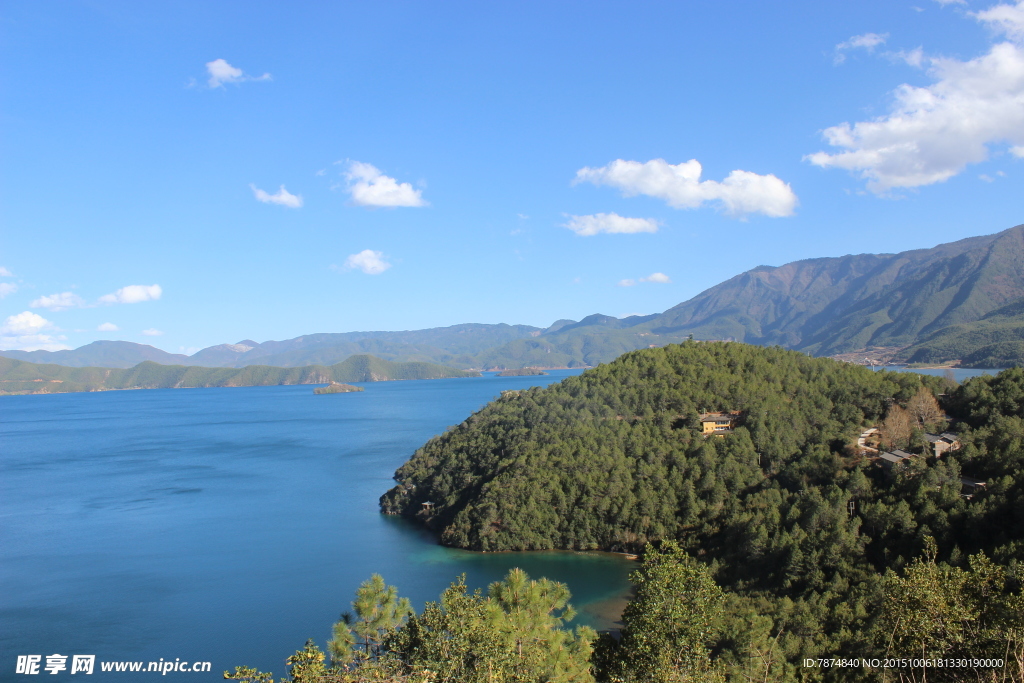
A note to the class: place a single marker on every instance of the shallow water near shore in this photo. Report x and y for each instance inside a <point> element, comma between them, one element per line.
<point>230,525</point>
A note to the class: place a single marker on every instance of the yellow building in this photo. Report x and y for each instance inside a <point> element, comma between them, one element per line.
<point>718,424</point>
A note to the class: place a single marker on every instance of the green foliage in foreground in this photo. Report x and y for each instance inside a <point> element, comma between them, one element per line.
<point>942,611</point>
<point>668,624</point>
<point>515,633</point>
<point>797,528</point>
<point>21,377</point>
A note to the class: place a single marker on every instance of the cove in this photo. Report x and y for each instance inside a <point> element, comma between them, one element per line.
<point>230,525</point>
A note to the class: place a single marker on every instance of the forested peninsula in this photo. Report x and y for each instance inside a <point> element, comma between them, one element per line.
<point>820,551</point>
<point>21,377</point>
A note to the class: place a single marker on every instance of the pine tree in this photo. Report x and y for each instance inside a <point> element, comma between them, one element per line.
<point>669,623</point>
<point>379,611</point>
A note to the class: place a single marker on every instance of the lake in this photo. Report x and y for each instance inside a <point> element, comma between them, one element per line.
<point>959,374</point>
<point>229,525</point>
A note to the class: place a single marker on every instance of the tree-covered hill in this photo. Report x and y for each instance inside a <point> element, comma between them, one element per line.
<point>613,458</point>
<point>797,527</point>
<point>20,377</point>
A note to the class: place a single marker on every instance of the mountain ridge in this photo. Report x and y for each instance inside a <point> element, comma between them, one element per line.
<point>825,306</point>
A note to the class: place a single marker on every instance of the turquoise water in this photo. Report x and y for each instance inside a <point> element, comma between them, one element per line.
<point>227,525</point>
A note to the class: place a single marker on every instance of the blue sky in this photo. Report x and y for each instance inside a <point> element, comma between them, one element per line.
<point>198,173</point>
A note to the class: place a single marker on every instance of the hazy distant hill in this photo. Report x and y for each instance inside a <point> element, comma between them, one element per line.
<point>575,345</point>
<point>430,344</point>
<point>106,354</point>
<point>455,345</point>
<point>21,377</point>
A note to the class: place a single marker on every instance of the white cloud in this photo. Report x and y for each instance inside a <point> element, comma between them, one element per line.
<point>867,41</point>
<point>369,261</point>
<point>24,332</point>
<point>221,72</point>
<point>7,288</point>
<point>133,294</point>
<point>1005,19</point>
<point>1017,151</point>
<point>914,58</point>
<point>741,193</point>
<point>369,187</point>
<point>59,302</point>
<point>659,278</point>
<point>26,322</point>
<point>610,223</point>
<point>934,132</point>
<point>107,327</point>
<point>152,332</point>
<point>5,273</point>
<point>951,2</point>
<point>282,197</point>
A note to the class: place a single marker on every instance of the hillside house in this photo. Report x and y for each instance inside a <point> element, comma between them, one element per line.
<point>971,485</point>
<point>943,443</point>
<point>893,458</point>
<point>718,424</point>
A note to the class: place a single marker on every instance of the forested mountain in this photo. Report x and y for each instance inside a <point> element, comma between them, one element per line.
<point>20,377</point>
<point>794,524</point>
<point>834,305</point>
<point>821,306</point>
<point>995,341</point>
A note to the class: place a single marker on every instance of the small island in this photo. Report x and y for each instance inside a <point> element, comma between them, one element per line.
<point>522,372</point>
<point>336,388</point>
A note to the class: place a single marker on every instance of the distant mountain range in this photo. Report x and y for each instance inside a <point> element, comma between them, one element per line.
<point>22,377</point>
<point>951,302</point>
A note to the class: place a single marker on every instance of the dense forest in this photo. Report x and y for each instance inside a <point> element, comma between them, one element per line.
<point>21,377</point>
<point>810,540</point>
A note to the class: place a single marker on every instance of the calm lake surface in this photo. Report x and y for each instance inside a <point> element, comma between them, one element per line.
<point>228,525</point>
<point>958,374</point>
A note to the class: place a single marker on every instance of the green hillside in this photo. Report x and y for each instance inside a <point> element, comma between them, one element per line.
<point>20,377</point>
<point>995,341</point>
<point>836,305</point>
<point>794,525</point>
